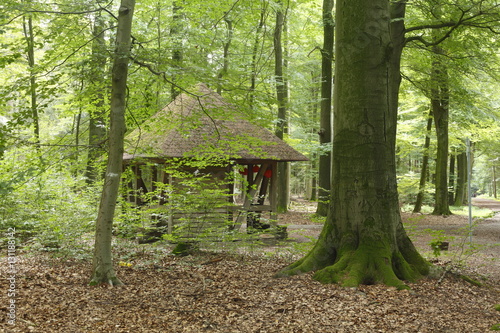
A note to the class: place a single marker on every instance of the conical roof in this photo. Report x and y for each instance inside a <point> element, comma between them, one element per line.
<point>203,123</point>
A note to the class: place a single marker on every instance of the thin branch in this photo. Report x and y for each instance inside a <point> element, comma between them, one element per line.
<point>164,76</point>
<point>61,13</point>
<point>453,25</point>
<point>78,49</point>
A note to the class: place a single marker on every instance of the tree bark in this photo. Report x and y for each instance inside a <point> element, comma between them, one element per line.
<point>425,166</point>
<point>461,184</point>
<point>227,44</point>
<point>282,99</point>
<point>494,182</point>
<point>440,110</point>
<point>315,89</point>
<point>257,40</point>
<point>30,46</point>
<point>363,240</point>
<point>103,271</point>
<point>325,132</point>
<point>451,180</point>
<point>175,31</point>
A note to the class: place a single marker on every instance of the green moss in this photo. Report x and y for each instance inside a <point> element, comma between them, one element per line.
<point>184,249</point>
<point>370,263</point>
<point>495,327</point>
<point>497,307</point>
<point>471,280</point>
<point>355,261</point>
<point>319,257</point>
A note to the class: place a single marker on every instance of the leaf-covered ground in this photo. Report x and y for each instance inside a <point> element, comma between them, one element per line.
<point>232,292</point>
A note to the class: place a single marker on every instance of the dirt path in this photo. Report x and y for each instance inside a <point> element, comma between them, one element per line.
<point>485,231</point>
<point>494,205</point>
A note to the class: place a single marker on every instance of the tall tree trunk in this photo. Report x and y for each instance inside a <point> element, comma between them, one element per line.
<point>175,34</point>
<point>425,166</point>
<point>282,99</point>
<point>257,41</point>
<point>30,43</point>
<point>97,123</point>
<point>451,180</point>
<point>227,44</point>
<point>494,181</point>
<point>102,271</point>
<point>325,131</point>
<point>314,120</point>
<point>461,184</point>
<point>440,110</point>
<point>363,240</point>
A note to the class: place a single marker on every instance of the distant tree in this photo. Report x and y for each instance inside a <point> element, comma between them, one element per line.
<point>97,108</point>
<point>102,270</point>
<point>177,52</point>
<point>425,167</point>
<point>30,47</point>
<point>461,183</point>
<point>440,104</point>
<point>325,126</point>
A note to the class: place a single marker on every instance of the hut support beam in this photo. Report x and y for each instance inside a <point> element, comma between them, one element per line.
<point>242,215</point>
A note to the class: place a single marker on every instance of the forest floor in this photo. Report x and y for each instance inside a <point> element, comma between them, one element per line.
<point>234,290</point>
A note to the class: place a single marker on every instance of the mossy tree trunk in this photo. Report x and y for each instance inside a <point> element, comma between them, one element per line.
<point>103,271</point>
<point>363,240</point>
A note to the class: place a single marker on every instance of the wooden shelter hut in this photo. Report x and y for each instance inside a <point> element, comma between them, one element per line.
<point>207,136</point>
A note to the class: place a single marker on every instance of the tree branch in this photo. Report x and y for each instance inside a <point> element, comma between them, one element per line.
<point>453,25</point>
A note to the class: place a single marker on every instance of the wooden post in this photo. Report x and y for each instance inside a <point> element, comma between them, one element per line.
<point>273,192</point>
<point>250,196</point>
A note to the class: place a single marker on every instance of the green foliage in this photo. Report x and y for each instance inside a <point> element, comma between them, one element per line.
<point>49,210</point>
<point>440,241</point>
<point>477,212</point>
<point>192,206</point>
<point>408,189</point>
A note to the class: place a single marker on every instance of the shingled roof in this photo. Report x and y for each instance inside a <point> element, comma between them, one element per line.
<point>203,123</point>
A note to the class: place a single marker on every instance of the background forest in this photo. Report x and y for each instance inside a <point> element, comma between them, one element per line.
<point>265,57</point>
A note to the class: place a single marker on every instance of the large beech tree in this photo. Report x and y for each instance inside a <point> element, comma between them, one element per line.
<point>103,271</point>
<point>363,239</point>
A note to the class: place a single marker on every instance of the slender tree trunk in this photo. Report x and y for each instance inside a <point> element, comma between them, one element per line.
<point>314,117</point>
<point>425,166</point>
<point>461,184</point>
<point>97,123</point>
<point>257,41</point>
<point>282,99</point>
<point>494,181</point>
<point>325,131</point>
<point>175,34</point>
<point>363,240</point>
<point>440,110</point>
<point>30,43</point>
<point>103,271</point>
<point>227,44</point>
<point>451,180</point>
